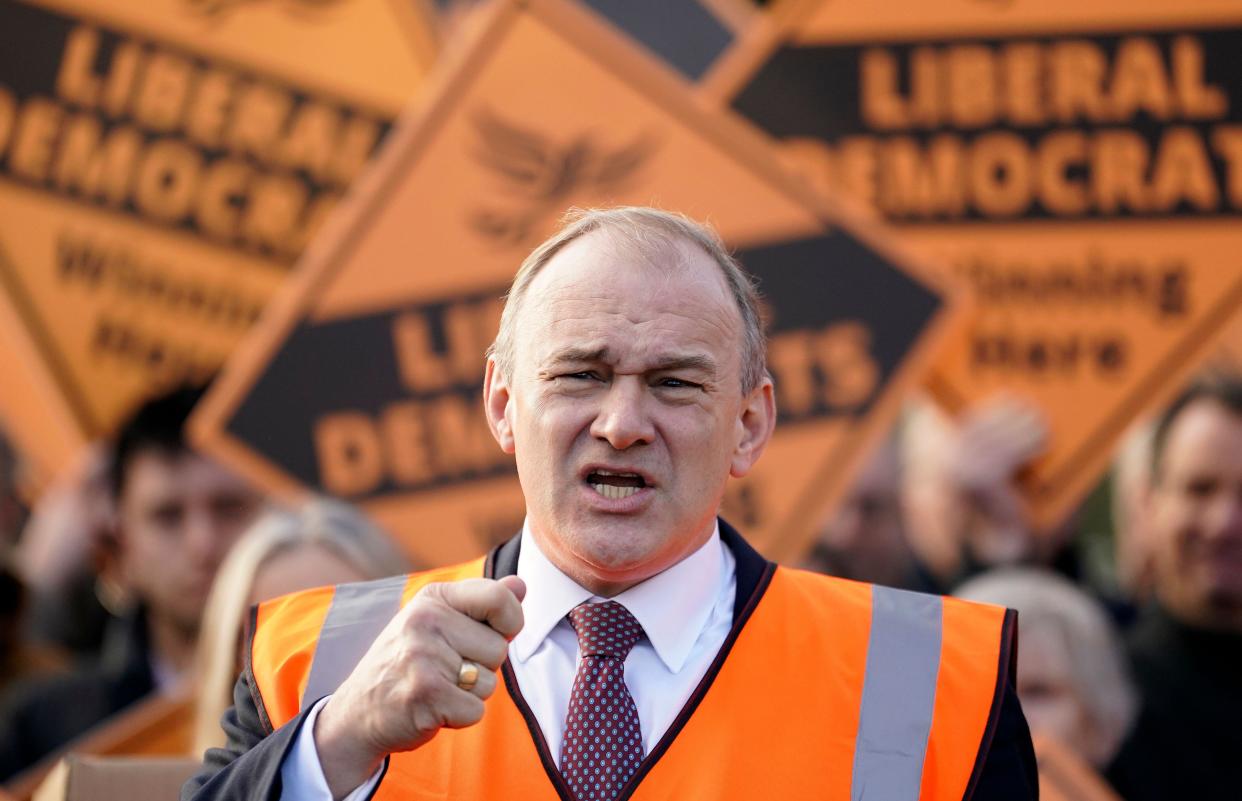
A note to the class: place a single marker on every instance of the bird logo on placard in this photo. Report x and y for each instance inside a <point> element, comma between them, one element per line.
<point>544,175</point>
<point>217,9</point>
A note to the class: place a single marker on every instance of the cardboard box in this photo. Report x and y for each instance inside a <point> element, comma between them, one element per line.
<point>96,778</point>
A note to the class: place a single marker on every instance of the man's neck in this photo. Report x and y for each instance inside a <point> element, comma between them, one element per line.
<point>1225,619</point>
<point>604,582</point>
<point>170,645</point>
<point>605,585</point>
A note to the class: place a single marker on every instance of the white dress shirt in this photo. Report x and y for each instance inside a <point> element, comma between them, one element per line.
<point>686,612</point>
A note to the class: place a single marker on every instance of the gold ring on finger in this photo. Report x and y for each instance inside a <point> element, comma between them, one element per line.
<point>467,675</point>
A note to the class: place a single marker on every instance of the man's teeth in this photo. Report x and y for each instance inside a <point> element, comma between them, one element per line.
<point>614,493</point>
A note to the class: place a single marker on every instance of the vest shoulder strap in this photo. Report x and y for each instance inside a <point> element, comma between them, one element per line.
<point>304,645</point>
<point>931,682</point>
<point>357,615</point>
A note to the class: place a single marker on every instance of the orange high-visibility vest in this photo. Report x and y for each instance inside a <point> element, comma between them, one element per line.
<point>823,685</point>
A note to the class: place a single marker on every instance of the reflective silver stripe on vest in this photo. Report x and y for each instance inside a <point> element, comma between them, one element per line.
<point>899,691</point>
<point>358,614</point>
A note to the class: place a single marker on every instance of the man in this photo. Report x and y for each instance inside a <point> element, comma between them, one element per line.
<point>865,538</point>
<point>69,533</point>
<point>647,650</point>
<point>177,513</point>
<point>1131,489</point>
<point>1187,648</point>
<point>964,511</point>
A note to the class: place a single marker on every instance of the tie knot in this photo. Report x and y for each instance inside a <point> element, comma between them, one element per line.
<point>605,629</point>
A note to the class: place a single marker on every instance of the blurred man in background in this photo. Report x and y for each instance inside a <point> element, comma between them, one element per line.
<point>1131,541</point>
<point>865,538</point>
<point>1187,649</point>
<point>177,514</point>
<point>963,508</point>
<point>63,558</point>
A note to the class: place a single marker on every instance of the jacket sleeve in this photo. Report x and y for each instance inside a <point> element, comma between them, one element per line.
<point>247,768</point>
<point>1009,771</point>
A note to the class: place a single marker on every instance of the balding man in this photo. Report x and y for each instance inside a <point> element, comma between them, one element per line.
<point>1186,648</point>
<point>627,643</point>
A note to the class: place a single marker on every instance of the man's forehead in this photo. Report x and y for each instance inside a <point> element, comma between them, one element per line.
<point>649,260</point>
<point>157,469</point>
<point>657,303</point>
<point>1204,430</point>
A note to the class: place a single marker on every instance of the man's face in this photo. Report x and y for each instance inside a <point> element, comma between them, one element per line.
<point>625,409</point>
<point>1196,517</point>
<point>178,515</point>
<point>864,539</point>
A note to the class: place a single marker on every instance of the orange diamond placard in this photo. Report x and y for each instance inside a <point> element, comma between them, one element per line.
<point>1079,169</point>
<point>162,165</point>
<point>33,415</point>
<point>365,380</point>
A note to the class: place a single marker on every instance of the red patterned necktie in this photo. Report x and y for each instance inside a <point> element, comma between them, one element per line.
<point>602,745</point>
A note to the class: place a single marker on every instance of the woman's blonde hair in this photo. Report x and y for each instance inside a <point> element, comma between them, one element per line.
<point>326,523</point>
<point>1099,669</point>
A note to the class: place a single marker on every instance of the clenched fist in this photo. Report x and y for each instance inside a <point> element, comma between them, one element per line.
<point>404,689</point>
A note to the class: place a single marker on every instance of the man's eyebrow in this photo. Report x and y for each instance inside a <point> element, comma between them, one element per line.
<point>575,355</point>
<point>691,361</point>
<point>688,361</point>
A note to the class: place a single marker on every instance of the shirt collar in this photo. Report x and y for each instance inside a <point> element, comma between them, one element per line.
<point>672,606</point>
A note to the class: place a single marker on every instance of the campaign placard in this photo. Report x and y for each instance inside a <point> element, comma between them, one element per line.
<point>1228,355</point>
<point>687,35</point>
<point>365,381</point>
<point>164,162</point>
<point>1080,170</point>
<point>33,415</point>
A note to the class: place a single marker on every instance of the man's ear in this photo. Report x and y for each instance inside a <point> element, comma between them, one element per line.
<point>1147,496</point>
<point>755,425</point>
<point>497,405</point>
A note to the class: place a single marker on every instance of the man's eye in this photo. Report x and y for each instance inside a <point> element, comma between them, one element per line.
<point>166,516</point>
<point>678,383</point>
<point>585,375</point>
<point>229,507</point>
<point>1201,488</point>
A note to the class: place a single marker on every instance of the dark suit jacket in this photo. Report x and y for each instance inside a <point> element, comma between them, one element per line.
<point>1188,735</point>
<point>249,766</point>
<point>40,715</point>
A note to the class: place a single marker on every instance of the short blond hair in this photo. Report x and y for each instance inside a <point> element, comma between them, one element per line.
<point>1100,672</point>
<point>650,232</point>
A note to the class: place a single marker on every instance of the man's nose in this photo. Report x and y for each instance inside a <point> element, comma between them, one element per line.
<point>202,536</point>
<point>1226,520</point>
<point>623,420</point>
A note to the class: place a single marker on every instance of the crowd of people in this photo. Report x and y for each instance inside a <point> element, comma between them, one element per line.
<point>133,576</point>
<point>1137,667</point>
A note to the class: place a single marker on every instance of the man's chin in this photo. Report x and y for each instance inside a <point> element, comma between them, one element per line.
<point>1225,599</point>
<point>607,564</point>
<point>613,563</point>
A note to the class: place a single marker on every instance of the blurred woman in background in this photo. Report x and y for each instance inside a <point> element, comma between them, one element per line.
<point>323,542</point>
<point>1073,678</point>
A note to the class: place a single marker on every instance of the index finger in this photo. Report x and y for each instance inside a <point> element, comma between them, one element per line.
<point>487,601</point>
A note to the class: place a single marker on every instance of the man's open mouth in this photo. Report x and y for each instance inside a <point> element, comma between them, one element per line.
<point>615,485</point>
